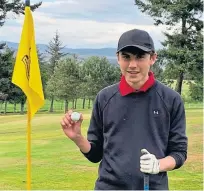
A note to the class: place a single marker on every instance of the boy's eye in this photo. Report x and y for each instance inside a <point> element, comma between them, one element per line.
<point>126,56</point>
<point>140,56</point>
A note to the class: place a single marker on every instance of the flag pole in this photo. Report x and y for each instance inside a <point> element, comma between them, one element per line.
<point>28,148</point>
<point>27,4</point>
<point>26,75</point>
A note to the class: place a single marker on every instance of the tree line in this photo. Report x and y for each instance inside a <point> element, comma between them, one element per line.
<point>64,77</point>
<point>67,77</point>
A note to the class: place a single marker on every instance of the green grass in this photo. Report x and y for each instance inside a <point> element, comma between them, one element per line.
<point>57,163</point>
<point>190,176</point>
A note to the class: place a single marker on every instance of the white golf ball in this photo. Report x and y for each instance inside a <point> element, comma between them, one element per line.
<point>75,116</point>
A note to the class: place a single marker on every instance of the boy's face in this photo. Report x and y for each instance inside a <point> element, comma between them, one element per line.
<point>135,64</point>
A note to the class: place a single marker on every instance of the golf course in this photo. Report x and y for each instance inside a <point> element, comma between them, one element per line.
<point>57,163</point>
<point>57,55</point>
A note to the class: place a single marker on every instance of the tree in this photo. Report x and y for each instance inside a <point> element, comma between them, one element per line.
<point>44,68</point>
<point>50,90</point>
<point>82,89</point>
<point>157,68</point>
<point>3,98</point>
<point>17,96</point>
<point>99,73</point>
<point>195,71</point>
<point>54,50</point>
<point>66,80</point>
<point>183,18</point>
<point>6,63</point>
<point>14,93</point>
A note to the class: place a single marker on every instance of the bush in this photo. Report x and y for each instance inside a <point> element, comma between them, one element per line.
<point>196,92</point>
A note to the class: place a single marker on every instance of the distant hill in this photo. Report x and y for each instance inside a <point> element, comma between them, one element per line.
<point>82,53</point>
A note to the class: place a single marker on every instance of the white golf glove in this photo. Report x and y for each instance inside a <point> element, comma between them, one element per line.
<point>148,163</point>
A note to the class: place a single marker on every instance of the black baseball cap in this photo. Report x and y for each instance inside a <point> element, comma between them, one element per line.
<point>136,38</point>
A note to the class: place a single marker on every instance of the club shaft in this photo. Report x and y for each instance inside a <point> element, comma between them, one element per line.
<point>146,182</point>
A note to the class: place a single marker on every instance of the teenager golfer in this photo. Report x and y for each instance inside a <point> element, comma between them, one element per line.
<point>137,125</point>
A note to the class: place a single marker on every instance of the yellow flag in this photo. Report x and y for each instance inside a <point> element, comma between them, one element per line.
<point>27,76</point>
<point>26,72</point>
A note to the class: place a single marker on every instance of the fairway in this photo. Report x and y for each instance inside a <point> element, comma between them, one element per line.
<point>57,164</point>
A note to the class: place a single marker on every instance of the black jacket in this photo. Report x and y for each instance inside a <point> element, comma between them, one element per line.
<point>121,126</point>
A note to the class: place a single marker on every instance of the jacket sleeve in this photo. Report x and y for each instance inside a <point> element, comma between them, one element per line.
<point>177,144</point>
<point>95,134</point>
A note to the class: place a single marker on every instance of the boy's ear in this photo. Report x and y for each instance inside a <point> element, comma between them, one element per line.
<point>153,58</point>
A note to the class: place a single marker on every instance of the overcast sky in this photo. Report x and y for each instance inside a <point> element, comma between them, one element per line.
<point>83,23</point>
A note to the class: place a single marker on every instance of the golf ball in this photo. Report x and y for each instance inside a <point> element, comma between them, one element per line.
<point>75,116</point>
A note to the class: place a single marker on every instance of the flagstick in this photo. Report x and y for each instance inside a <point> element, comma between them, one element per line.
<point>27,3</point>
<point>28,149</point>
<point>20,78</point>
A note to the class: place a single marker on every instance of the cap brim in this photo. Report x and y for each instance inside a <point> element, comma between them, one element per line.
<point>138,46</point>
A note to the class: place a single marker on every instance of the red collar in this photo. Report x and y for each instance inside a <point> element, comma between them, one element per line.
<point>126,89</point>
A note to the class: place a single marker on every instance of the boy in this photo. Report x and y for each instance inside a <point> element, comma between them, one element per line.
<point>137,125</point>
